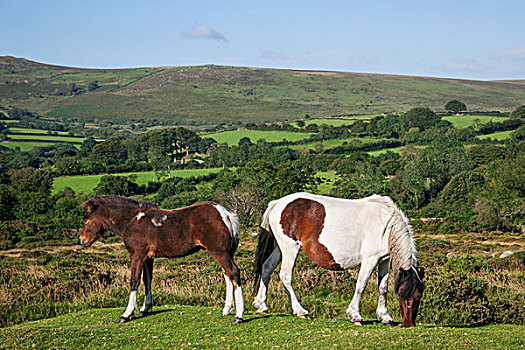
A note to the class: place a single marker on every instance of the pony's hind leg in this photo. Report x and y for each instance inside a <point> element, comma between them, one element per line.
<point>228,304</point>
<point>382,280</point>
<point>231,270</point>
<point>147,270</point>
<point>289,251</point>
<point>268,267</point>
<point>352,312</point>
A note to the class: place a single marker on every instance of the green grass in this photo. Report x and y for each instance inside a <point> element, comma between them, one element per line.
<point>194,327</point>
<point>328,178</point>
<point>42,137</point>
<point>14,130</point>
<point>86,183</point>
<point>29,145</point>
<point>233,137</point>
<point>328,143</point>
<point>464,121</point>
<point>384,150</point>
<point>503,135</point>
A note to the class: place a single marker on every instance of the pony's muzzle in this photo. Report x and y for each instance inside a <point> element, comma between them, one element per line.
<point>83,242</point>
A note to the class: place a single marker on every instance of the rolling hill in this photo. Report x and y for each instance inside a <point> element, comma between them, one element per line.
<point>209,95</point>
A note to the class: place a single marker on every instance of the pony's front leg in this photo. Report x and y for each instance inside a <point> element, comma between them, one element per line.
<point>147,270</point>
<point>382,281</point>
<point>136,270</point>
<point>352,312</point>
<point>268,267</point>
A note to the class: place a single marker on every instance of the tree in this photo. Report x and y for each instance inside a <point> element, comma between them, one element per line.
<point>93,85</point>
<point>300,124</point>
<point>422,118</point>
<point>117,185</point>
<point>455,106</point>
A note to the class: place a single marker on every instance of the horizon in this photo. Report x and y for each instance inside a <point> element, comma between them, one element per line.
<point>466,40</point>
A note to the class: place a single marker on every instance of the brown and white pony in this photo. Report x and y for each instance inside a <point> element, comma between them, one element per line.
<point>150,232</point>
<point>339,234</point>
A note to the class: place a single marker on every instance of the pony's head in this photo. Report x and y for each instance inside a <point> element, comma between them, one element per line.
<point>409,287</point>
<point>92,227</point>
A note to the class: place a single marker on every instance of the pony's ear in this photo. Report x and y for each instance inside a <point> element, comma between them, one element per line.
<point>421,273</point>
<point>91,207</point>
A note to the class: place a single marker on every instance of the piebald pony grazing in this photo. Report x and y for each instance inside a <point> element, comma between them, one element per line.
<point>150,232</point>
<point>339,234</point>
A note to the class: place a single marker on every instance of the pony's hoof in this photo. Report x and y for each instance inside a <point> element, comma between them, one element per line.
<point>307,317</point>
<point>358,323</point>
<point>390,323</point>
<point>238,320</point>
<point>144,313</point>
<point>123,319</point>
<point>262,311</point>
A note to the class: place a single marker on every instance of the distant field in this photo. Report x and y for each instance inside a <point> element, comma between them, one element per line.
<point>29,145</point>
<point>86,183</point>
<point>43,137</point>
<point>328,143</point>
<point>14,130</point>
<point>464,121</point>
<point>497,135</point>
<point>233,137</point>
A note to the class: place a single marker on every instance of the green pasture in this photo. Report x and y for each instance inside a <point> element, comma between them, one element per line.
<point>29,145</point>
<point>15,130</point>
<point>384,150</point>
<point>197,327</point>
<point>464,121</point>
<point>328,143</point>
<point>233,137</point>
<point>43,137</point>
<point>503,135</point>
<point>86,183</point>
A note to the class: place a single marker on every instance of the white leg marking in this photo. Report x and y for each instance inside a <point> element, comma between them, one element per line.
<point>132,305</point>
<point>228,304</point>
<point>352,312</point>
<point>268,267</point>
<point>239,302</point>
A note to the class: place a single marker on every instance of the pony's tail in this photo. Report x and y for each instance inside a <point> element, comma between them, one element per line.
<point>235,233</point>
<point>265,246</point>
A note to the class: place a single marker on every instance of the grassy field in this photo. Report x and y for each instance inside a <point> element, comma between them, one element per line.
<point>14,130</point>
<point>464,121</point>
<point>44,138</point>
<point>192,327</point>
<point>28,145</point>
<point>328,143</point>
<point>86,183</point>
<point>497,135</point>
<point>233,137</point>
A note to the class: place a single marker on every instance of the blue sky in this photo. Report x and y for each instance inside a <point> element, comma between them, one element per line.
<point>462,39</point>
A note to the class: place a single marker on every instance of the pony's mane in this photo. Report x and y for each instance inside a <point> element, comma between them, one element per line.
<point>402,247</point>
<point>411,282</point>
<point>119,201</point>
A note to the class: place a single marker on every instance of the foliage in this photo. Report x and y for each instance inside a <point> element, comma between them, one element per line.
<point>518,113</point>
<point>117,185</point>
<point>455,106</point>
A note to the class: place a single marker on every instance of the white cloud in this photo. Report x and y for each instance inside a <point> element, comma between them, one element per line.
<point>204,31</point>
<point>466,65</point>
<point>516,53</point>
